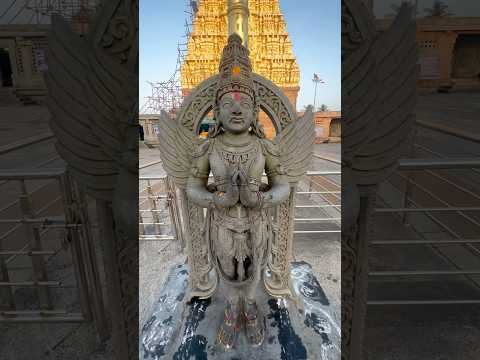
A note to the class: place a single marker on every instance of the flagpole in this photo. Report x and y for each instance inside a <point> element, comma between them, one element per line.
<point>316,80</point>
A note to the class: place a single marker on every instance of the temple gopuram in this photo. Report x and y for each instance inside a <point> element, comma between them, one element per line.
<point>261,25</point>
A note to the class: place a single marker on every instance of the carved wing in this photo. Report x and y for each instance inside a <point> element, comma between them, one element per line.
<point>176,144</point>
<point>385,115</point>
<point>68,102</point>
<point>295,143</point>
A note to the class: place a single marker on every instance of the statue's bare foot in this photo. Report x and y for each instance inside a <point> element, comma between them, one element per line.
<point>254,326</point>
<point>231,326</point>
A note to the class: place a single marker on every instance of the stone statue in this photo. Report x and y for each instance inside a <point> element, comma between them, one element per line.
<point>373,140</point>
<point>92,84</point>
<point>238,242</point>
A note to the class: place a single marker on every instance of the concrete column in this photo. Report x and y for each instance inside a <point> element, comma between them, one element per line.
<point>446,45</point>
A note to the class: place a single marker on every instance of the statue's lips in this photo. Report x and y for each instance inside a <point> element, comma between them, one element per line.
<point>237,120</point>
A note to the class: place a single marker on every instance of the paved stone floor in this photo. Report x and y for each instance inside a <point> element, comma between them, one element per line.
<point>436,332</point>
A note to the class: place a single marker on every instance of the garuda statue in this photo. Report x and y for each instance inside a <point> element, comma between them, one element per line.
<point>242,242</point>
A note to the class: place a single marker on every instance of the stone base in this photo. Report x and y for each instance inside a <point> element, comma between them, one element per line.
<point>304,328</point>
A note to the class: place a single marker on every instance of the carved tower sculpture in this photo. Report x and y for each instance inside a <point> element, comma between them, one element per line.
<point>262,28</point>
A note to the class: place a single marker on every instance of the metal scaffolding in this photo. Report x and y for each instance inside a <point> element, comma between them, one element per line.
<point>167,95</point>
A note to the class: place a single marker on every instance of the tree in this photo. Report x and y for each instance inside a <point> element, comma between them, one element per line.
<point>323,107</point>
<point>396,8</point>
<point>439,9</point>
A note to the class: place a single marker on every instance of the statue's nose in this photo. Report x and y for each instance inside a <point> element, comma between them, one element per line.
<point>237,110</point>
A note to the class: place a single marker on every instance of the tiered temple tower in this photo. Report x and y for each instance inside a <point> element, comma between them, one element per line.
<point>261,24</point>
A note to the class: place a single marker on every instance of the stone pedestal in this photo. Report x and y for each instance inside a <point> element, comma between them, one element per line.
<point>304,328</point>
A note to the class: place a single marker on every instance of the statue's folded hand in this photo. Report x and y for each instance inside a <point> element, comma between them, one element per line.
<point>249,198</point>
<point>230,197</point>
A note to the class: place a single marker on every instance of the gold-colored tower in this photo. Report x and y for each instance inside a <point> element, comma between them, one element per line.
<point>261,23</point>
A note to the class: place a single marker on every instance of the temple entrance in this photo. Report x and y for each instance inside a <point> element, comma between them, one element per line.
<point>267,124</point>
<point>335,128</point>
<point>5,68</point>
<point>466,57</point>
<point>206,126</point>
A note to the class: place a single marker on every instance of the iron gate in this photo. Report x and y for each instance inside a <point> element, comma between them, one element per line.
<point>46,221</point>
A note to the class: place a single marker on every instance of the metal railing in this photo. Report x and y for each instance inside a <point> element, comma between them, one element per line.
<point>433,167</point>
<point>41,201</point>
<point>160,218</point>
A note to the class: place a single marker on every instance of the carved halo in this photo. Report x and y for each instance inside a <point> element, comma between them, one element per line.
<point>271,100</point>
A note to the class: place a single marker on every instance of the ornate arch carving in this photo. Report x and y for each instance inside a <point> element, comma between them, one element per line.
<point>271,98</point>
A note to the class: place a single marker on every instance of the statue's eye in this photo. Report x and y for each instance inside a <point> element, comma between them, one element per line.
<point>227,104</point>
<point>246,104</point>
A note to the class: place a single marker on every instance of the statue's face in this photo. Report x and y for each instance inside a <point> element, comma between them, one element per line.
<point>236,112</point>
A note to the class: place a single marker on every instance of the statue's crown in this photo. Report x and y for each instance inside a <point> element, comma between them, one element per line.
<point>235,69</point>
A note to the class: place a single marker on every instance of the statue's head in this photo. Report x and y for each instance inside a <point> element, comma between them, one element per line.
<point>236,108</point>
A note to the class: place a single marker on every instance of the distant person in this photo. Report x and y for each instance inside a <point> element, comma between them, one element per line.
<point>141,133</point>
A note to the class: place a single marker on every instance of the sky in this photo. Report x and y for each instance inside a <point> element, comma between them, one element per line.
<point>313,25</point>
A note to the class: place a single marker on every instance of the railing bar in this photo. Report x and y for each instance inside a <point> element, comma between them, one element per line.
<point>438,154</point>
<point>457,236</point>
<point>11,231</point>
<point>460,188</point>
<point>149,164</point>
<point>28,253</point>
<point>326,158</point>
<point>447,130</point>
<point>30,283</point>
<point>316,206</point>
<point>325,198</point>
<point>318,192</point>
<point>421,302</point>
<point>317,219</point>
<point>33,312</point>
<point>315,231</point>
<point>153,197</point>
<point>420,273</point>
<point>431,194</point>
<point>309,173</point>
<point>46,220</point>
<point>70,318</point>
<point>445,163</point>
<point>154,223</point>
<point>42,209</point>
<point>31,174</point>
<point>37,166</point>
<point>331,181</point>
<point>430,209</point>
<point>30,193</point>
<point>419,242</point>
<point>470,247</point>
